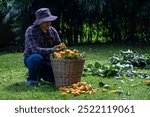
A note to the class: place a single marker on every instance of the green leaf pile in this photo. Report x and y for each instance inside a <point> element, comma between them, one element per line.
<point>131,58</point>
<point>126,64</point>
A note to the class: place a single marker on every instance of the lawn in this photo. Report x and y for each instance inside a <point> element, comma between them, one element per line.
<point>13,78</point>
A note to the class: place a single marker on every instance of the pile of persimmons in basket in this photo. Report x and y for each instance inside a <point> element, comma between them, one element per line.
<point>67,53</point>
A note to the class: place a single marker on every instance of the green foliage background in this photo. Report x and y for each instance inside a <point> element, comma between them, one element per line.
<point>85,21</point>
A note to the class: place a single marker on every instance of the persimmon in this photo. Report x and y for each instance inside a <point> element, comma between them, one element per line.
<point>76,93</point>
<point>62,46</point>
<point>147,82</point>
<point>104,90</point>
<point>57,55</point>
<point>62,53</point>
<point>75,51</point>
<point>94,91</point>
<point>72,53</point>
<point>74,86</point>
<point>67,51</point>
<point>64,94</point>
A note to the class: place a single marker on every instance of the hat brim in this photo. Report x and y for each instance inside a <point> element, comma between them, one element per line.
<point>50,18</point>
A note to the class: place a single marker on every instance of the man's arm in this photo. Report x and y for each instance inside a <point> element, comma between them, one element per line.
<point>53,32</point>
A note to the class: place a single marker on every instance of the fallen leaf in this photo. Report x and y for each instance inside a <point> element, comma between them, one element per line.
<point>106,86</point>
<point>117,91</point>
<point>101,84</point>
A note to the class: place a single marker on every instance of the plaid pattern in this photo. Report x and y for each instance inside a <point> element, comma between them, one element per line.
<point>37,41</point>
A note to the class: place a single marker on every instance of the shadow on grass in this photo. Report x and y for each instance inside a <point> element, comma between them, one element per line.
<point>21,87</point>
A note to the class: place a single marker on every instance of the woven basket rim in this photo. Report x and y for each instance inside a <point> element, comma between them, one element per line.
<point>54,59</point>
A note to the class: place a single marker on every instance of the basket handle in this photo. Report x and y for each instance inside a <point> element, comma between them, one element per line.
<point>83,55</point>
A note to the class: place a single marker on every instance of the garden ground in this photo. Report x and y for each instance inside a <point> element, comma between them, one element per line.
<point>13,77</point>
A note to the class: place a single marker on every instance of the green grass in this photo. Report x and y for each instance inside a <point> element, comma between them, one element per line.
<point>13,78</point>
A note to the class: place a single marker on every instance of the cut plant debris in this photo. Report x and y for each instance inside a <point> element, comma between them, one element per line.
<point>126,64</point>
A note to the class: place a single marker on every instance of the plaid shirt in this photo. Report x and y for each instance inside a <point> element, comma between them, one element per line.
<point>37,41</point>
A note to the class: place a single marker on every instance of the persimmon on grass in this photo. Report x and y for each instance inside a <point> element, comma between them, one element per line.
<point>79,88</point>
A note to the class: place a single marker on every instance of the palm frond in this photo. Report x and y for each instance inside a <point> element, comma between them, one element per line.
<point>12,12</point>
<point>91,6</point>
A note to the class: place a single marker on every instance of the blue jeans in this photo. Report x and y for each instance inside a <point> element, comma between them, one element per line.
<point>38,68</point>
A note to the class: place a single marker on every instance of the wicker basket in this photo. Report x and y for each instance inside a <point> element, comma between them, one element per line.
<point>67,72</point>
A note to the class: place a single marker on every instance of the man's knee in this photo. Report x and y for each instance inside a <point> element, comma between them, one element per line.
<point>36,58</point>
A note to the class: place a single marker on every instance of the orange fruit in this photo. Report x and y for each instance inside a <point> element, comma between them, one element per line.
<point>75,51</point>
<point>147,82</point>
<point>64,94</point>
<point>62,46</point>
<point>104,90</point>
<point>67,52</point>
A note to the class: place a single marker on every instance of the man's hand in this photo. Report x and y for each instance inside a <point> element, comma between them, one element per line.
<point>57,49</point>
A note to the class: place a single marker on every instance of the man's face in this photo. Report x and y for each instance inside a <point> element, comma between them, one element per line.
<point>45,25</point>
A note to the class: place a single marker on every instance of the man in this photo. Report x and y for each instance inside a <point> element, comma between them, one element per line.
<point>41,40</point>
